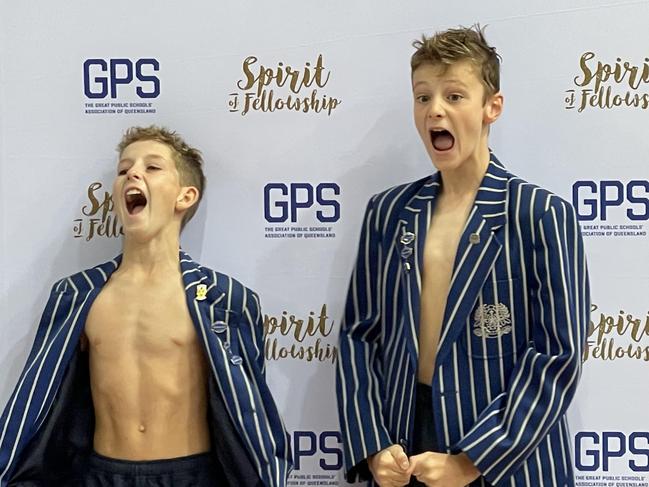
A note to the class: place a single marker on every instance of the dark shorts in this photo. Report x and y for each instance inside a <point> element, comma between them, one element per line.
<point>191,471</point>
<point>424,437</point>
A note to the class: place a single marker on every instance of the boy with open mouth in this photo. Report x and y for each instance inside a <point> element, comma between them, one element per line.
<point>462,337</point>
<point>147,369</point>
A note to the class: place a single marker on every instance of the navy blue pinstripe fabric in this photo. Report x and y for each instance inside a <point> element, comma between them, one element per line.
<point>235,356</point>
<point>509,356</point>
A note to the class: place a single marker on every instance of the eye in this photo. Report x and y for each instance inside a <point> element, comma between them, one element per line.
<point>455,97</point>
<point>152,168</point>
<point>121,172</point>
<point>422,98</point>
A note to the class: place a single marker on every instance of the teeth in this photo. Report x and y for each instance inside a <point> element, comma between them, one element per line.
<point>133,191</point>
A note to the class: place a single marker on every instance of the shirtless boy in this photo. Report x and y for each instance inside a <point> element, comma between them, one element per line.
<point>462,338</point>
<point>149,366</point>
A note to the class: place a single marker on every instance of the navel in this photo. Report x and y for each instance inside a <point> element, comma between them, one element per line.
<point>141,428</point>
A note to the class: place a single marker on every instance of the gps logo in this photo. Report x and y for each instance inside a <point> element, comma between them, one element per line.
<point>593,451</point>
<point>308,444</point>
<point>282,201</point>
<point>592,200</point>
<point>102,77</point>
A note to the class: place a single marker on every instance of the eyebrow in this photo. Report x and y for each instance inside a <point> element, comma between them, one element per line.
<point>446,81</point>
<point>457,81</point>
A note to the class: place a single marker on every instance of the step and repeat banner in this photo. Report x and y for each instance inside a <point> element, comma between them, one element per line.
<point>303,111</point>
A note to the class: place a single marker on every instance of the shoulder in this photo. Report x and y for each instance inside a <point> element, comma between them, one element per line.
<point>529,203</point>
<point>384,208</point>
<point>86,280</point>
<point>225,290</point>
<point>397,196</point>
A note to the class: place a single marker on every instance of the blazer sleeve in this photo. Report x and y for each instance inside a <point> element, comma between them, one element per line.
<point>359,371</point>
<point>253,339</point>
<point>21,412</point>
<point>543,382</point>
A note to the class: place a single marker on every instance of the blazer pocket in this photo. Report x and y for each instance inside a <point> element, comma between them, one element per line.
<point>494,326</point>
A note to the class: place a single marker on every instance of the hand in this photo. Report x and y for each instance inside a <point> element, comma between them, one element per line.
<point>390,467</point>
<point>442,470</point>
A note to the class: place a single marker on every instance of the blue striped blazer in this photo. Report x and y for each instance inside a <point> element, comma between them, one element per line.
<point>510,351</point>
<point>227,318</point>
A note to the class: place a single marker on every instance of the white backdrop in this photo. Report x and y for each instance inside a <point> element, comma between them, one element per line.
<point>183,65</point>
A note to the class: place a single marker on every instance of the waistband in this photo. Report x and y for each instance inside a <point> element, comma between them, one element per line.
<point>150,467</point>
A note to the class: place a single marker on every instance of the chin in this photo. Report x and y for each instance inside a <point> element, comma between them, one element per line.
<point>444,163</point>
<point>135,230</point>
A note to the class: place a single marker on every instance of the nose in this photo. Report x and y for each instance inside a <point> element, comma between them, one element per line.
<point>133,174</point>
<point>436,108</point>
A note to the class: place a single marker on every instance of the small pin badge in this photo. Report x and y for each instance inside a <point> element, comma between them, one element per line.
<point>201,292</point>
<point>407,238</point>
<point>474,238</point>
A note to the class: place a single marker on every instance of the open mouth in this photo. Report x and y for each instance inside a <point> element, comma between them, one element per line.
<point>135,201</point>
<point>442,140</point>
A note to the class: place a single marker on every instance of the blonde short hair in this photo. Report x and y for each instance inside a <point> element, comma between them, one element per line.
<point>461,44</point>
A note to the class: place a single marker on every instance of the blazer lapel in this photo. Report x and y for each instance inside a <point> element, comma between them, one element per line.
<point>414,221</point>
<point>479,246</point>
<point>212,323</point>
<point>199,297</point>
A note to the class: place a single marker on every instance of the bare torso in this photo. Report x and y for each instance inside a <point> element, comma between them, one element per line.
<point>148,372</point>
<point>442,239</point>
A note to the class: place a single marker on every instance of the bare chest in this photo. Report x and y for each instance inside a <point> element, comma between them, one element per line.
<point>152,320</point>
<point>441,244</point>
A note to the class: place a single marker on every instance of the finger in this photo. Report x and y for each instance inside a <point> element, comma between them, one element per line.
<point>402,460</point>
<point>392,473</point>
<point>385,461</point>
<point>417,464</point>
<point>400,457</point>
<point>414,462</point>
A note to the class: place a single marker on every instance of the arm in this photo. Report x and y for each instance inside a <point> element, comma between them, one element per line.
<point>544,380</point>
<point>253,339</point>
<point>359,375</point>
<point>21,412</point>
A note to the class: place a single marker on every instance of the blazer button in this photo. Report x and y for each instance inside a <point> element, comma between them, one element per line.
<point>406,252</point>
<point>219,326</point>
<point>236,360</point>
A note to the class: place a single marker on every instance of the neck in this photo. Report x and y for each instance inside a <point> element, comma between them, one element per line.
<point>465,180</point>
<point>150,257</point>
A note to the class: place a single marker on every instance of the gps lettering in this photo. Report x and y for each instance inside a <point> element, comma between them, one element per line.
<point>103,77</point>
<point>306,444</point>
<point>594,451</point>
<point>594,199</point>
<point>283,201</point>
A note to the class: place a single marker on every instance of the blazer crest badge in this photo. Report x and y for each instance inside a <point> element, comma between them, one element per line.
<point>492,320</point>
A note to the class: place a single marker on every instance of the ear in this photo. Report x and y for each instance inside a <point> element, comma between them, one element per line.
<point>493,108</point>
<point>187,197</point>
